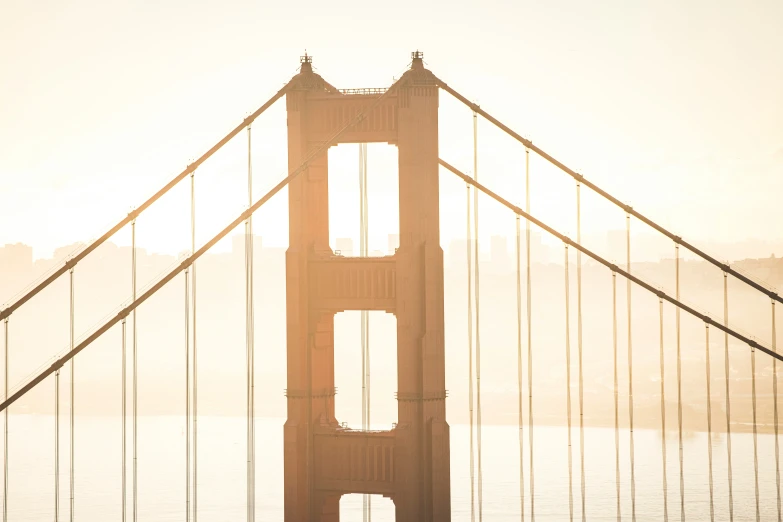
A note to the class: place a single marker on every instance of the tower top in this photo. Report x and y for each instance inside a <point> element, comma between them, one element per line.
<point>418,60</point>
<point>307,62</point>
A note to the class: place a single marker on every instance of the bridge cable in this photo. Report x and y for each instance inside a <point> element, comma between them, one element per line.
<point>73,402</point>
<point>171,274</point>
<point>575,175</point>
<point>616,396</point>
<point>709,416</point>
<point>529,337</point>
<point>135,374</point>
<point>775,408</point>
<point>56,445</point>
<point>124,417</point>
<point>8,310</point>
<point>663,415</point>
<point>519,376</point>
<point>679,378</point>
<point>476,296</point>
<point>568,386</point>
<point>187,394</point>
<point>728,399</point>
<point>5,427</point>
<point>755,436</point>
<point>469,236</point>
<point>579,345</point>
<point>193,330</point>
<point>250,339</point>
<point>365,315</point>
<point>546,228</point>
<point>630,366</point>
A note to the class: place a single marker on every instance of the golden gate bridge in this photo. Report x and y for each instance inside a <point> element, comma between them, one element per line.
<point>410,463</point>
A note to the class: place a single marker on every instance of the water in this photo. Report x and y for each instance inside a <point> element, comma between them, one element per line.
<point>221,468</point>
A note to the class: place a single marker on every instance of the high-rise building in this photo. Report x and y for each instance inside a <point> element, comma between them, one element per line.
<point>498,249</point>
<point>394,242</point>
<point>344,245</point>
<point>16,258</point>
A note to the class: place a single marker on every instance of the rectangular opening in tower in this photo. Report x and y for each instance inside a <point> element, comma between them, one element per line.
<point>352,507</point>
<point>345,199</point>
<point>351,377</point>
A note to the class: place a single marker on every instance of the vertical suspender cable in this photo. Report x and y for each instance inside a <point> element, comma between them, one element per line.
<point>250,338</point>
<point>709,416</point>
<point>135,374</point>
<point>187,394</point>
<point>728,400</point>
<point>195,372</point>
<point>579,345</point>
<point>528,291</point>
<point>775,408</point>
<point>5,429</point>
<point>478,335</point>
<point>519,378</point>
<point>755,436</point>
<point>469,235</point>
<point>679,377</point>
<point>366,312</point>
<point>365,335</point>
<point>56,445</point>
<point>663,415</point>
<point>630,365</point>
<point>361,313</point>
<point>568,388</point>
<point>616,396</point>
<point>73,402</point>
<point>124,416</point>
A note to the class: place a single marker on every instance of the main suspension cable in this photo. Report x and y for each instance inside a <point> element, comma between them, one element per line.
<point>72,416</point>
<point>775,408</point>
<point>469,235</point>
<point>616,396</point>
<point>519,377</point>
<point>630,365</point>
<point>478,335</point>
<point>568,388</point>
<point>528,290</point>
<point>679,379</point>
<point>728,399</point>
<point>709,417</point>
<point>663,416</point>
<point>195,372</point>
<point>579,346</point>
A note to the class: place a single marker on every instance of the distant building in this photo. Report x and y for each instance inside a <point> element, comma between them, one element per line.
<point>498,248</point>
<point>238,244</point>
<point>394,242</point>
<point>344,245</point>
<point>16,258</point>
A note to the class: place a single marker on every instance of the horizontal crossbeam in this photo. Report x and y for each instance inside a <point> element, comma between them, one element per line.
<point>614,268</point>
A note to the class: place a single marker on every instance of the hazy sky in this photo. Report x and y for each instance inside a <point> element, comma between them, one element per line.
<point>675,107</point>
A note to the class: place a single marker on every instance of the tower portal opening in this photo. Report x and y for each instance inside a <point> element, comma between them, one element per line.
<point>382,365</point>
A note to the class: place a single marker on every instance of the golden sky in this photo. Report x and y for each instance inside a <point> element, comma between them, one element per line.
<point>674,107</point>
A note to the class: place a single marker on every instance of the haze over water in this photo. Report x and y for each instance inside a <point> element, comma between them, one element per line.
<point>222,472</point>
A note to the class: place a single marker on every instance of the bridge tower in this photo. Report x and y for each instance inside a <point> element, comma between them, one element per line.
<point>323,461</point>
